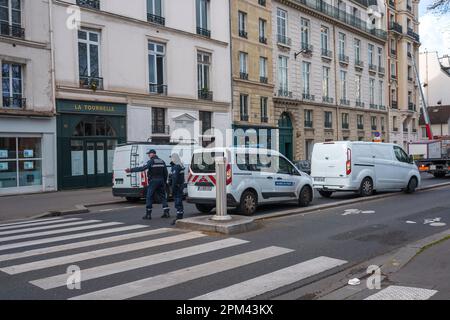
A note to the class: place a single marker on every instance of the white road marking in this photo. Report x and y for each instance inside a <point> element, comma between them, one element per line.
<point>83,244</point>
<point>38,223</point>
<point>106,210</point>
<point>46,233</point>
<point>123,266</point>
<point>140,287</point>
<point>53,226</point>
<point>72,236</point>
<point>29,221</point>
<point>271,281</point>
<point>402,293</point>
<point>48,263</point>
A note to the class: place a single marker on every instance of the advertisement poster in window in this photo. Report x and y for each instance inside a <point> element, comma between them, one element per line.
<point>3,154</point>
<point>3,166</point>
<point>28,165</point>
<point>28,153</point>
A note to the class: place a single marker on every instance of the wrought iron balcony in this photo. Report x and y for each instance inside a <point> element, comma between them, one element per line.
<point>360,127</point>
<point>328,125</point>
<point>359,64</point>
<point>156,19</point>
<point>381,70</point>
<point>394,104</point>
<point>93,83</point>
<point>243,75</point>
<point>359,103</point>
<point>283,40</point>
<point>92,4</point>
<point>373,106</point>
<point>205,94</point>
<point>264,80</point>
<point>243,34</point>
<point>160,129</point>
<point>381,107</point>
<point>244,117</point>
<point>396,27</point>
<point>308,124</point>
<point>204,32</point>
<point>405,130</point>
<point>263,40</point>
<point>411,107</point>
<point>327,53</point>
<point>307,96</point>
<point>306,47</point>
<point>284,93</point>
<point>327,99</point>
<point>372,68</point>
<point>393,52</point>
<point>14,102</point>
<point>345,102</point>
<point>343,59</point>
<point>345,126</point>
<point>392,3</point>
<point>158,89</point>
<point>12,31</point>
<point>413,35</point>
<point>395,129</point>
<point>264,119</point>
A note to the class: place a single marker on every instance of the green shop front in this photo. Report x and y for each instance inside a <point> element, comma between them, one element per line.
<point>87,135</point>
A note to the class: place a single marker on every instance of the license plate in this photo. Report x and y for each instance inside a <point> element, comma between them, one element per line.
<point>319,179</point>
<point>204,188</point>
<point>119,181</point>
<point>432,167</point>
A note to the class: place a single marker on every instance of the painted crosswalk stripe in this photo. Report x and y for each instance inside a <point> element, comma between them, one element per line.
<point>29,222</point>
<point>144,286</point>
<point>30,229</point>
<point>271,281</point>
<point>402,293</point>
<point>83,244</point>
<point>39,223</point>
<point>48,263</point>
<point>71,237</point>
<point>47,233</point>
<point>123,266</point>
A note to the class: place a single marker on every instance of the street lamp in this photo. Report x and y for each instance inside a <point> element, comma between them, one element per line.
<point>298,53</point>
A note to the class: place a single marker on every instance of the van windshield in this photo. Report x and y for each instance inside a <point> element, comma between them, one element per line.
<point>205,162</point>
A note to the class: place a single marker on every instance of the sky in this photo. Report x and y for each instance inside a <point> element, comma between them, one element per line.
<point>434,30</point>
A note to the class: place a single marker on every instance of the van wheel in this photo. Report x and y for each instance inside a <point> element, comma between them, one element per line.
<point>305,197</point>
<point>412,185</point>
<point>132,199</point>
<point>366,189</point>
<point>325,194</point>
<point>248,203</point>
<point>204,208</point>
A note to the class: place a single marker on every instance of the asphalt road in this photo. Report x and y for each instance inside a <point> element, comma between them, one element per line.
<point>178,265</point>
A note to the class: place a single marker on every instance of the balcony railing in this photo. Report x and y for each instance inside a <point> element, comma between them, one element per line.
<point>395,129</point>
<point>243,34</point>
<point>411,107</point>
<point>262,2</point>
<point>408,7</point>
<point>12,31</point>
<point>93,83</point>
<point>328,125</point>
<point>264,119</point>
<point>413,35</point>
<point>405,130</point>
<point>393,52</point>
<point>360,127</point>
<point>393,76</point>
<point>396,27</point>
<point>160,129</point>
<point>360,104</point>
<point>308,124</point>
<point>243,75</point>
<point>410,79</point>
<point>381,107</point>
<point>284,93</point>
<point>92,4</point>
<point>359,64</point>
<point>306,47</point>
<point>373,106</point>
<point>345,126</point>
<point>327,53</point>
<point>372,68</point>
<point>327,99</point>
<point>381,70</point>
<point>263,40</point>
<point>345,102</point>
<point>244,117</point>
<point>204,32</point>
<point>343,59</point>
<point>392,3</point>
<point>158,89</point>
<point>264,80</point>
<point>394,104</point>
<point>205,94</point>
<point>14,102</point>
<point>156,19</point>
<point>409,55</point>
<point>414,130</point>
<point>283,40</point>
<point>307,96</point>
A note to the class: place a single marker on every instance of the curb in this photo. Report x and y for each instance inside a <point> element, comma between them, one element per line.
<point>340,203</point>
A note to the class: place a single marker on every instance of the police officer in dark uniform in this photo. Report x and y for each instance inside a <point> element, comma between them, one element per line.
<point>177,174</point>
<point>157,177</point>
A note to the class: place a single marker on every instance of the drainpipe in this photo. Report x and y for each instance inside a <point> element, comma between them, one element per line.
<point>231,75</point>
<point>336,56</point>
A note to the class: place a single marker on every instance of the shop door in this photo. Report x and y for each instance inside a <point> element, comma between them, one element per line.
<point>286,136</point>
<point>96,163</point>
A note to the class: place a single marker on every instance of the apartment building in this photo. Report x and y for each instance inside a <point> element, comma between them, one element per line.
<point>329,73</point>
<point>435,78</point>
<point>403,52</point>
<point>27,122</point>
<point>251,41</point>
<point>143,70</point>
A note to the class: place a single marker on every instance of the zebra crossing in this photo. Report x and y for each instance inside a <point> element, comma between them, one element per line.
<point>39,252</point>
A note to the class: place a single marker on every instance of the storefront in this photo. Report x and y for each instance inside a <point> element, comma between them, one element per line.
<point>88,133</point>
<point>27,155</point>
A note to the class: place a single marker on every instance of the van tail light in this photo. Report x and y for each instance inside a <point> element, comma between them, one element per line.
<point>348,167</point>
<point>144,179</point>
<point>190,176</point>
<point>229,175</point>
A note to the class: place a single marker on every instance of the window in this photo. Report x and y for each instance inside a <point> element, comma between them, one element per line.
<point>263,69</point>
<point>202,18</point>
<point>381,93</point>
<point>357,50</point>
<point>264,114</point>
<point>306,69</point>
<point>244,107</point>
<point>89,58</point>
<point>394,123</point>
<point>12,85</point>
<point>243,65</point>
<point>281,23</point>
<point>11,18</point>
<point>343,85</point>
<point>401,155</point>
<point>283,73</point>
<point>326,81</point>
<point>380,57</point>
<point>393,46</point>
<point>341,44</point>
<point>372,91</point>
<point>155,11</point>
<point>374,123</point>
<point>409,73</point>
<point>284,167</point>
<point>304,33</point>
<point>262,31</point>
<point>409,50</point>
<point>370,52</point>
<point>393,70</point>
<point>328,120</point>
<point>242,16</point>
<point>345,119</point>
<point>324,38</point>
<point>308,118</point>
<point>358,87</point>
<point>203,69</point>
<point>205,120</point>
<point>159,121</point>
<point>383,124</point>
<point>156,61</point>
<point>20,162</point>
<point>360,121</point>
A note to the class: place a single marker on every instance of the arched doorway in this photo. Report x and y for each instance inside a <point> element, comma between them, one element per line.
<point>286,136</point>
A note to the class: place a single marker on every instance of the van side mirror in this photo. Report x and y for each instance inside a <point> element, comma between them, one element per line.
<point>411,159</point>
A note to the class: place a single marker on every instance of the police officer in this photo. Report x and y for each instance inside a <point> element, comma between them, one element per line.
<point>157,177</point>
<point>177,174</point>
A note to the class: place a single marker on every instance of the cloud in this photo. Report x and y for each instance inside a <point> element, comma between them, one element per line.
<point>435,33</point>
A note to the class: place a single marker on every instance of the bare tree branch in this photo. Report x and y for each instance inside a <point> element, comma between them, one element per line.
<point>440,6</point>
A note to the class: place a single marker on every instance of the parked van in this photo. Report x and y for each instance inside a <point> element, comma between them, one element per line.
<point>254,177</point>
<point>133,186</point>
<point>363,167</point>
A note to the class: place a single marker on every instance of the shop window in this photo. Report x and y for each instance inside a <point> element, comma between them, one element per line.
<point>98,126</point>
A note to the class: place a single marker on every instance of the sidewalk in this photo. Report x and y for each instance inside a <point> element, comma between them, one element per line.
<point>26,206</point>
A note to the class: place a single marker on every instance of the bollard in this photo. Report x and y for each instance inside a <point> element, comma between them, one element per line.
<point>221,191</point>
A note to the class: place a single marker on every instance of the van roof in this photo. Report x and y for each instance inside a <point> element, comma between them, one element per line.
<point>357,142</point>
<point>158,144</point>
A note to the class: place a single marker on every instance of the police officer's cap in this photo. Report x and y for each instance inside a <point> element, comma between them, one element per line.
<point>151,151</point>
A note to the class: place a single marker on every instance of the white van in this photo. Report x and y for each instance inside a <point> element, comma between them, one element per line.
<point>133,186</point>
<point>363,167</point>
<point>254,177</point>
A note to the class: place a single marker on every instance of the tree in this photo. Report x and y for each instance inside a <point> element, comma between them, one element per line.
<point>439,6</point>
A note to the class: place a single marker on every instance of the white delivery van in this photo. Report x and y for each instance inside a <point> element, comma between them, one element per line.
<point>254,177</point>
<point>133,186</point>
<point>363,167</point>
